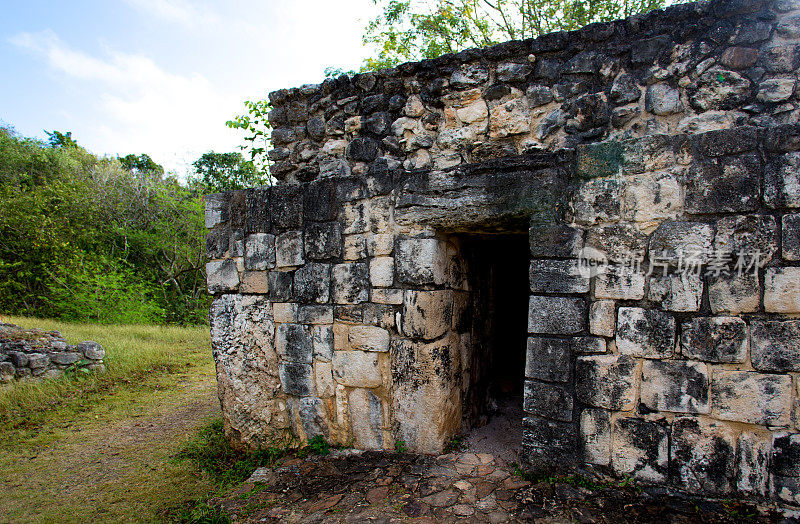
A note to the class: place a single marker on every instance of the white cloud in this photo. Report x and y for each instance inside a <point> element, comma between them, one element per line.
<point>144,108</point>
<point>179,11</point>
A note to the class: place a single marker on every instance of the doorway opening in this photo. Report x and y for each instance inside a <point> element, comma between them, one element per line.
<point>497,272</point>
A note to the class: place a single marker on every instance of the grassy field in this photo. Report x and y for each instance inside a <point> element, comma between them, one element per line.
<point>102,447</point>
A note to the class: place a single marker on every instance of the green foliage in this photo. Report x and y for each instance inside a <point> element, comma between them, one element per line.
<point>255,124</point>
<point>455,444</point>
<point>317,445</point>
<point>217,172</point>
<point>400,446</point>
<point>409,30</point>
<point>58,139</point>
<point>336,72</point>
<point>141,164</point>
<point>84,238</point>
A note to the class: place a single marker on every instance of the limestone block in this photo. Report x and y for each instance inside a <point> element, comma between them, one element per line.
<point>420,261</point>
<point>681,242</point>
<point>548,359</point>
<point>606,381</point>
<point>91,350</point>
<point>368,338</point>
<point>323,378</point>
<point>557,276</point>
<point>510,118</point>
<point>662,99</point>
<point>729,185</point>
<point>734,293</point>
<point>381,271</point>
<point>588,345</point>
<point>216,209</point>
<point>280,286</point>
<point>366,419</point>
<point>556,315</point>
<point>293,343</point>
<point>222,276</point>
<point>312,416</point>
<point>296,378</point>
<point>624,89</point>
<point>775,345</point>
<point>719,89</point>
<point>621,243</point>
<point>715,339</point>
<point>254,282</point>
<point>786,467</point>
<point>619,283</point>
<point>355,247</point>
<point>745,235</point>
<point>380,244</point>
<point>355,217</point>
<point>322,342</point>
<point>752,462</point>
<point>703,455</point>
<point>286,206</point>
<point>427,314</point>
<point>652,196</point>
<point>513,72</point>
<point>551,401</point>
<point>782,290</point>
<point>387,296</point>
<point>782,181</point>
<point>312,283</point>
<point>640,449</point>
<point>775,90</point>
<point>357,369</point>
<point>315,315</point>
<point>64,358</point>
<point>469,75</point>
<point>596,436</point>
<point>598,200</point>
<point>645,332</point>
<point>323,240</point>
<point>781,58</point>
<point>555,240</point>
<point>602,318</point>
<point>350,283</point>
<point>791,236</point>
<point>473,113</point>
<point>754,398</point>
<point>679,386</point>
<point>677,292</point>
<point>259,252</point>
<point>289,249</point>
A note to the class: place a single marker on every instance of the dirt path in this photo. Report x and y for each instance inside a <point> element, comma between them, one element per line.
<point>102,467</point>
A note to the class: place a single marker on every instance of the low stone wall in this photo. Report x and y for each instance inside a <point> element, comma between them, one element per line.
<point>32,353</point>
<point>653,165</point>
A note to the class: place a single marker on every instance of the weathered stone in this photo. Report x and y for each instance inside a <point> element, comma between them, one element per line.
<point>588,345</point>
<point>293,343</point>
<point>315,315</point>
<point>550,401</point>
<point>652,196</point>
<point>355,216</point>
<point>555,240</point>
<point>366,416</point>
<point>729,186</point>
<point>785,467</point>
<point>556,315</point>
<point>781,58</point>
<point>18,358</point>
<point>752,460</point>
<point>745,236</point>
<point>754,398</point>
<point>776,90</point>
<point>322,342</point>
<point>387,296</point>
<point>602,318</point>
<point>254,282</point>
<point>703,455</point>
<point>469,75</point>
<point>557,276</point>
<point>420,261</point>
<point>259,252</point>
<point>715,339</point>
<point>624,89</point>
<point>363,149</point>
<point>312,283</point>
<point>538,95</point>
<point>619,283</point>
<point>510,118</point>
<point>597,201</point>
<point>734,293</point>
<point>661,99</point>
<point>739,57</point>
<point>216,209</point>
<point>357,369</point>
<point>621,243</point>
<point>677,292</point>
<point>222,276</point>
<point>596,436</point>
<point>38,361</point>
<point>427,314</point>
<point>368,338</point>
<point>381,271</point>
<point>606,381</point>
<point>541,433</point>
<point>782,181</point>
<point>7,372</point>
<point>791,237</point>
<point>323,379</point>
<point>289,249</point>
<point>350,283</point>
<point>280,286</point>
<point>548,359</point>
<point>284,312</point>
<point>775,345</point>
<point>286,205</point>
<point>681,243</point>
<point>65,358</point>
<point>550,123</point>
<point>720,89</point>
<point>678,386</point>
<point>296,378</point>
<point>645,332</point>
<point>323,240</point>
<point>782,290</point>
<point>640,450</point>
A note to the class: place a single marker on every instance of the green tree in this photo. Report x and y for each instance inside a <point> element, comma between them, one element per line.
<point>58,139</point>
<point>410,30</point>
<point>255,124</point>
<point>141,164</point>
<point>217,172</point>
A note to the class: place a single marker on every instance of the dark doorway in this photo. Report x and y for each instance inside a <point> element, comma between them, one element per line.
<point>497,268</point>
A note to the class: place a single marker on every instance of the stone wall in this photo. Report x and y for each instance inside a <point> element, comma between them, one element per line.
<point>32,353</point>
<point>653,164</point>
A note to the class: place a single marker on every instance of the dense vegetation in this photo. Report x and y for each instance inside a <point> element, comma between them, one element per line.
<point>97,239</point>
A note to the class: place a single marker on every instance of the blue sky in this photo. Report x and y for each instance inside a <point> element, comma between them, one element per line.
<point>162,76</point>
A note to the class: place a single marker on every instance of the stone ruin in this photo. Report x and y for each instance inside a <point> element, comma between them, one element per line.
<point>604,222</point>
<point>33,353</point>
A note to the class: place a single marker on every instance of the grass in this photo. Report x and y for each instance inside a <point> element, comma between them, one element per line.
<point>101,447</point>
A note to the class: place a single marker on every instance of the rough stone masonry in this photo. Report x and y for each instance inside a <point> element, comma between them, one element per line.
<point>661,153</point>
